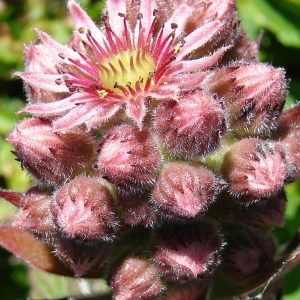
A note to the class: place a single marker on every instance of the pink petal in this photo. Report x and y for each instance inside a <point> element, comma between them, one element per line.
<point>186,81</point>
<point>113,7</point>
<point>179,17</point>
<point>40,59</point>
<point>81,19</point>
<point>103,113</point>
<point>78,115</point>
<point>166,91</point>
<point>136,110</point>
<point>198,38</point>
<point>43,81</point>
<point>53,45</point>
<point>203,62</point>
<point>59,106</point>
<point>146,8</point>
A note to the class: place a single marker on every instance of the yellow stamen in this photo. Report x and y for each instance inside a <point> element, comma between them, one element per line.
<point>129,66</point>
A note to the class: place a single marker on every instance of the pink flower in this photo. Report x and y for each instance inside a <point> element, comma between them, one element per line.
<point>132,62</point>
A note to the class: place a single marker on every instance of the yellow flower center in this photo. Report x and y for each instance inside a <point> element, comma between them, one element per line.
<point>126,69</point>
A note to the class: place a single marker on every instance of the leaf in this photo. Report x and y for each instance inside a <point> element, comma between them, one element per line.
<point>258,14</point>
<point>28,248</point>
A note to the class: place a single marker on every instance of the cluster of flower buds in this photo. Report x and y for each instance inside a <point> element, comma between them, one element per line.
<point>158,149</point>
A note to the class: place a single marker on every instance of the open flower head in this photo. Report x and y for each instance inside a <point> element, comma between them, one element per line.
<point>129,63</point>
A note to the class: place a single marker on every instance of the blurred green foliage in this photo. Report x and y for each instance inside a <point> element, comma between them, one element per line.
<point>280,45</point>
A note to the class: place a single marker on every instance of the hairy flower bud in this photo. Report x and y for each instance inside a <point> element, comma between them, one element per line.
<point>254,168</point>
<point>191,290</point>
<point>187,251</point>
<point>247,256</point>
<point>183,190</point>
<point>51,156</point>
<point>85,209</point>
<point>192,126</point>
<point>259,215</point>
<point>34,214</point>
<point>137,209</point>
<point>253,94</point>
<point>136,278</point>
<point>288,134</point>
<point>129,156</point>
<point>80,256</point>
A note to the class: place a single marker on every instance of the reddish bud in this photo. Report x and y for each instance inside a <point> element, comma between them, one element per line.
<point>288,134</point>
<point>51,157</point>
<point>129,156</point>
<point>244,49</point>
<point>188,251</point>
<point>253,94</point>
<point>80,256</point>
<point>84,209</point>
<point>137,209</point>
<point>192,126</point>
<point>259,215</point>
<point>34,214</point>
<point>247,256</point>
<point>136,279</point>
<point>192,290</point>
<point>254,168</point>
<point>183,190</point>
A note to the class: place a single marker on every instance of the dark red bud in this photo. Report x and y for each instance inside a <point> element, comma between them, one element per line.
<point>183,190</point>
<point>84,209</point>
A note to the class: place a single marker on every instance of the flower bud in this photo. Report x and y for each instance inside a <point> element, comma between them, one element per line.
<point>288,134</point>
<point>183,190</point>
<point>80,256</point>
<point>253,94</point>
<point>244,49</point>
<point>34,214</point>
<point>129,156</point>
<point>222,10</point>
<point>192,290</point>
<point>191,126</point>
<point>254,168</point>
<point>187,251</point>
<point>84,209</point>
<point>50,156</point>
<point>258,215</point>
<point>247,256</point>
<point>137,209</point>
<point>136,278</point>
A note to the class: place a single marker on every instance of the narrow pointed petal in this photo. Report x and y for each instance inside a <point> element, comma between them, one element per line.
<point>203,62</point>
<point>166,91</point>
<point>180,17</point>
<point>81,19</point>
<point>113,7</point>
<point>43,81</point>
<point>57,106</point>
<point>136,110</point>
<point>198,37</point>
<point>103,113</point>
<point>76,116</point>
<point>146,8</point>
<point>28,248</point>
<point>53,45</point>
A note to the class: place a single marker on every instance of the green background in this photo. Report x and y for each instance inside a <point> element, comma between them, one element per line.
<point>280,46</point>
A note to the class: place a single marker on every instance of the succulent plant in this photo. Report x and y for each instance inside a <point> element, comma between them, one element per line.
<point>159,150</point>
